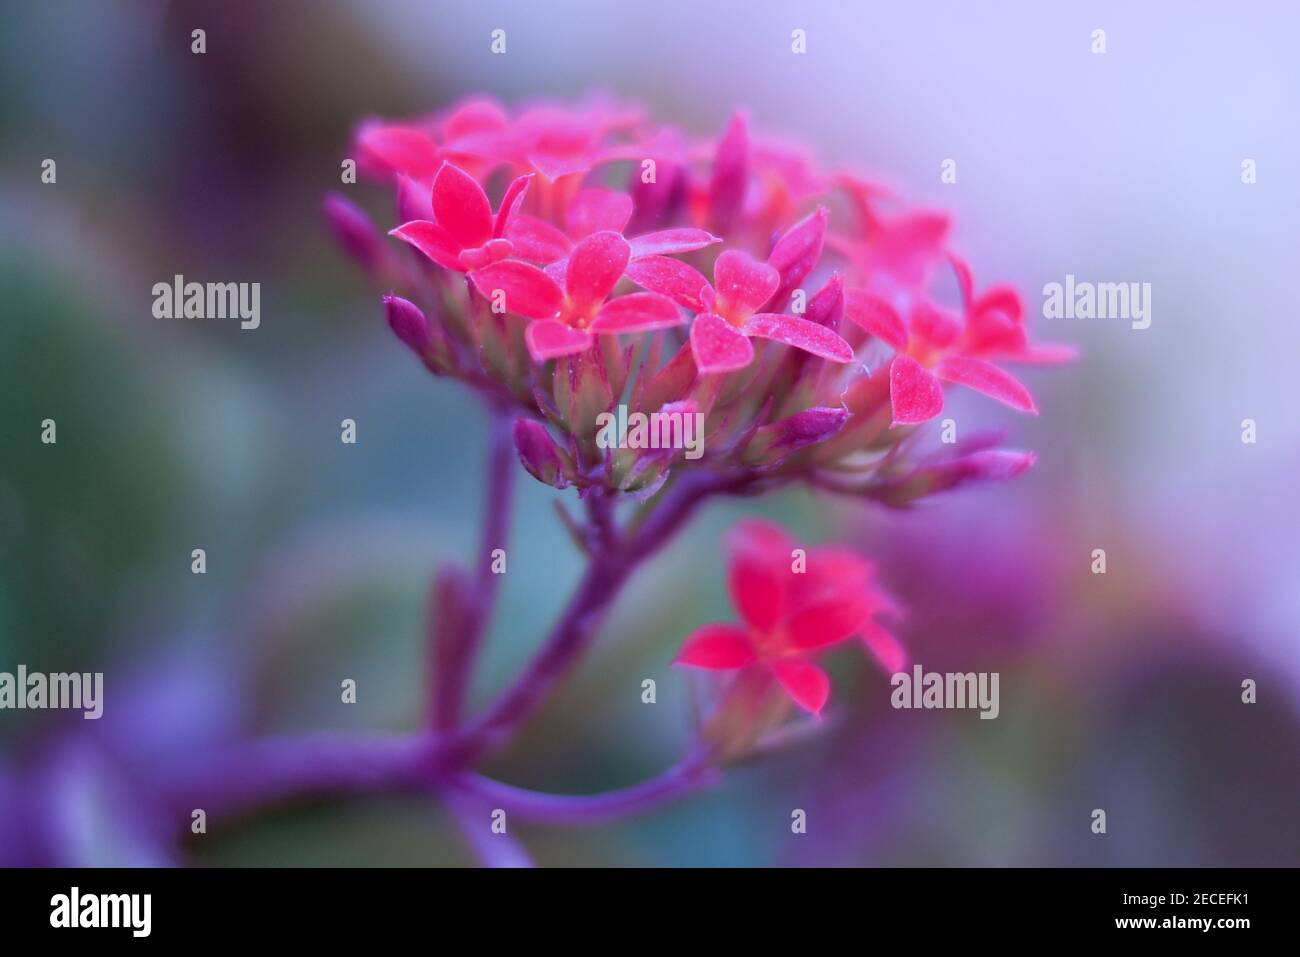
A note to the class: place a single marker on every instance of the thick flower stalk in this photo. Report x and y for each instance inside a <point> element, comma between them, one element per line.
<point>655,321</point>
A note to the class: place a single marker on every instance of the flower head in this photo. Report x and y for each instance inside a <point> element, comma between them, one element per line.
<point>792,606</point>
<point>787,307</point>
<point>569,301</point>
<point>935,345</point>
<point>727,314</point>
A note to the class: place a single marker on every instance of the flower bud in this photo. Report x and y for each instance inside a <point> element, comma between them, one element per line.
<point>985,465</point>
<point>772,444</point>
<point>354,231</point>
<point>409,324</point>
<point>539,453</point>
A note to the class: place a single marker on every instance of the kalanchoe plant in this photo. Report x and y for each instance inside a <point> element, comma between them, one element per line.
<point>564,261</point>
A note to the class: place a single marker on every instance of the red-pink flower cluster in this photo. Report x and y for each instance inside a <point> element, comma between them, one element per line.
<point>608,259</point>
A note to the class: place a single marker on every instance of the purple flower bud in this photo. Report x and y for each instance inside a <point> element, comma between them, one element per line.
<point>985,465</point>
<point>409,324</point>
<point>538,453</point>
<point>354,231</point>
<point>773,443</point>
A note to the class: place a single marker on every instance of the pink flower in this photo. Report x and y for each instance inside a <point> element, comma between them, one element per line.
<point>727,315</point>
<point>545,281</point>
<point>566,316</point>
<point>936,346</point>
<point>901,249</point>
<point>790,615</point>
<point>558,140</point>
<point>463,234</point>
<point>479,135</point>
<point>592,210</point>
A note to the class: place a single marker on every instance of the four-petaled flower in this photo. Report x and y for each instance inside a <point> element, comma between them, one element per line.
<point>567,301</point>
<point>727,314</point>
<point>935,344</point>
<point>463,234</point>
<point>791,608</point>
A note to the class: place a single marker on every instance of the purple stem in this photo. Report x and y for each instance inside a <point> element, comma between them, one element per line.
<point>474,819</point>
<point>607,571</point>
<point>535,806</point>
<point>284,769</point>
<point>287,769</point>
<point>292,768</point>
<point>453,681</point>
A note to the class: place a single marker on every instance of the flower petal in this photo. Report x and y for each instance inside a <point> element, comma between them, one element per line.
<point>877,317</point>
<point>432,240</point>
<point>548,339</point>
<point>935,326</point>
<point>671,242</point>
<point>717,647</point>
<point>730,174</point>
<point>760,535</point>
<point>671,277</point>
<point>907,247</point>
<point>1047,353</point>
<point>758,572</point>
<point>555,165</point>
<point>476,115</point>
<point>402,149</point>
<point>807,684</point>
<point>743,284</point>
<point>988,379</point>
<point>915,394</point>
<point>797,251</point>
<point>413,200</point>
<point>965,280</point>
<point>994,331</point>
<point>510,203</point>
<point>827,623</point>
<point>595,267</point>
<point>461,207</point>
<point>596,209</point>
<point>884,647</point>
<point>1002,298</point>
<point>800,333</point>
<point>528,291</point>
<point>537,240</point>
<point>637,312</point>
<point>718,346</point>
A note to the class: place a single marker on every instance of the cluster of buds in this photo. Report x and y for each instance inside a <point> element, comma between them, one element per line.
<point>582,265</point>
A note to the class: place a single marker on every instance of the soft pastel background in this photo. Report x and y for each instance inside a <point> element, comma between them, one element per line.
<point>1118,691</point>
